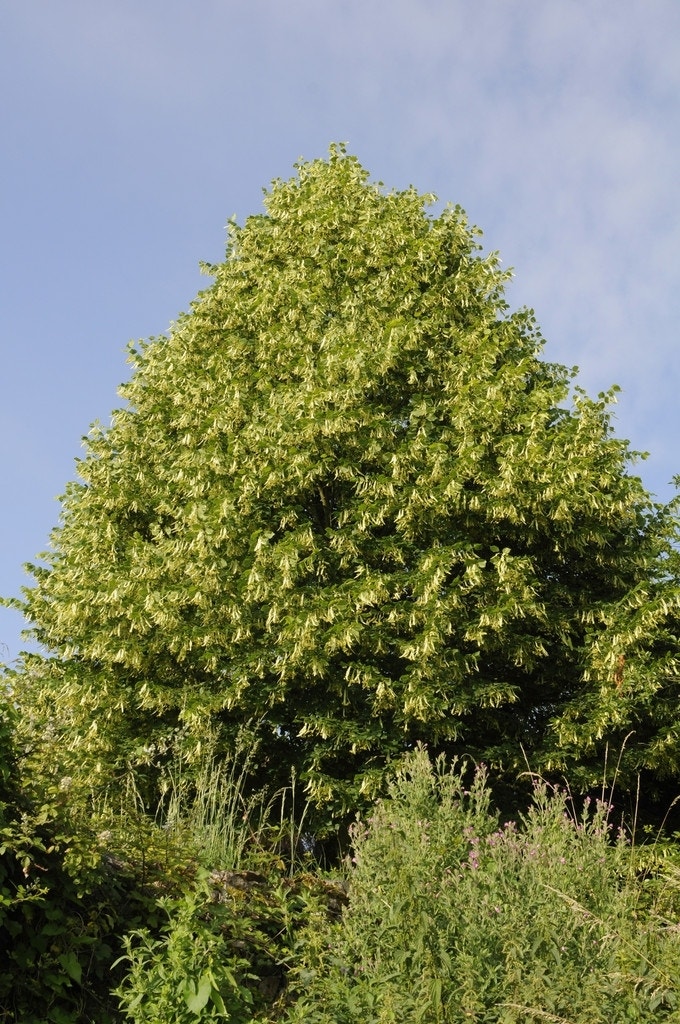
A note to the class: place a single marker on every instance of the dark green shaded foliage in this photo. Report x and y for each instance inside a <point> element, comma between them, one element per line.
<point>61,906</point>
<point>225,949</point>
<point>114,910</point>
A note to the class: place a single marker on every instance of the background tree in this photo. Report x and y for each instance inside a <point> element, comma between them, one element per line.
<point>348,504</point>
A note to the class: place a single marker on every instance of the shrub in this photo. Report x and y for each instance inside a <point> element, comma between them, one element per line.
<point>189,974</point>
<point>454,917</point>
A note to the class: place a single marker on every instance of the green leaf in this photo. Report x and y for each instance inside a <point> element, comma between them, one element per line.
<point>71,965</point>
<point>197,995</point>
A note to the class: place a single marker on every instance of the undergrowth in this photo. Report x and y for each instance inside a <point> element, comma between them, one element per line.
<point>209,906</point>
<point>457,917</point>
<point>111,909</point>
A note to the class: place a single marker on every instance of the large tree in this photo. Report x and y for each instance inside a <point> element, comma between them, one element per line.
<point>348,503</point>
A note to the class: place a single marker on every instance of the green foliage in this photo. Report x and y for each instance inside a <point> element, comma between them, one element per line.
<point>84,880</point>
<point>188,975</point>
<point>455,917</point>
<point>227,939</point>
<point>7,756</point>
<point>60,906</point>
<point>223,953</point>
<point>348,502</point>
<point>73,879</point>
<point>633,644</point>
<point>210,803</point>
<point>346,508</point>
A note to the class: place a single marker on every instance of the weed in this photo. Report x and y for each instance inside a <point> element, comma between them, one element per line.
<point>456,917</point>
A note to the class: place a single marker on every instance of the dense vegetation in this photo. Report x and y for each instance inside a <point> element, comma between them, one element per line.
<point>347,510</point>
<point>214,908</point>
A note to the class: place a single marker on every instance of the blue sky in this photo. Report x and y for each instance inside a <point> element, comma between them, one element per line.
<point>131,132</point>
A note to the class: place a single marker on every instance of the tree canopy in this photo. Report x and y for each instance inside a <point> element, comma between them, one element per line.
<point>348,505</point>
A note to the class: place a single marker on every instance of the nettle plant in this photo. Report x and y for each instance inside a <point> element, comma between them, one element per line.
<point>348,504</point>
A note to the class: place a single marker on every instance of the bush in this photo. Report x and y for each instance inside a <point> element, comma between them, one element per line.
<point>61,906</point>
<point>454,917</point>
<point>187,975</point>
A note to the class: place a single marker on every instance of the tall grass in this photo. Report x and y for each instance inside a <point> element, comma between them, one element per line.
<point>207,806</point>
<point>213,804</point>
